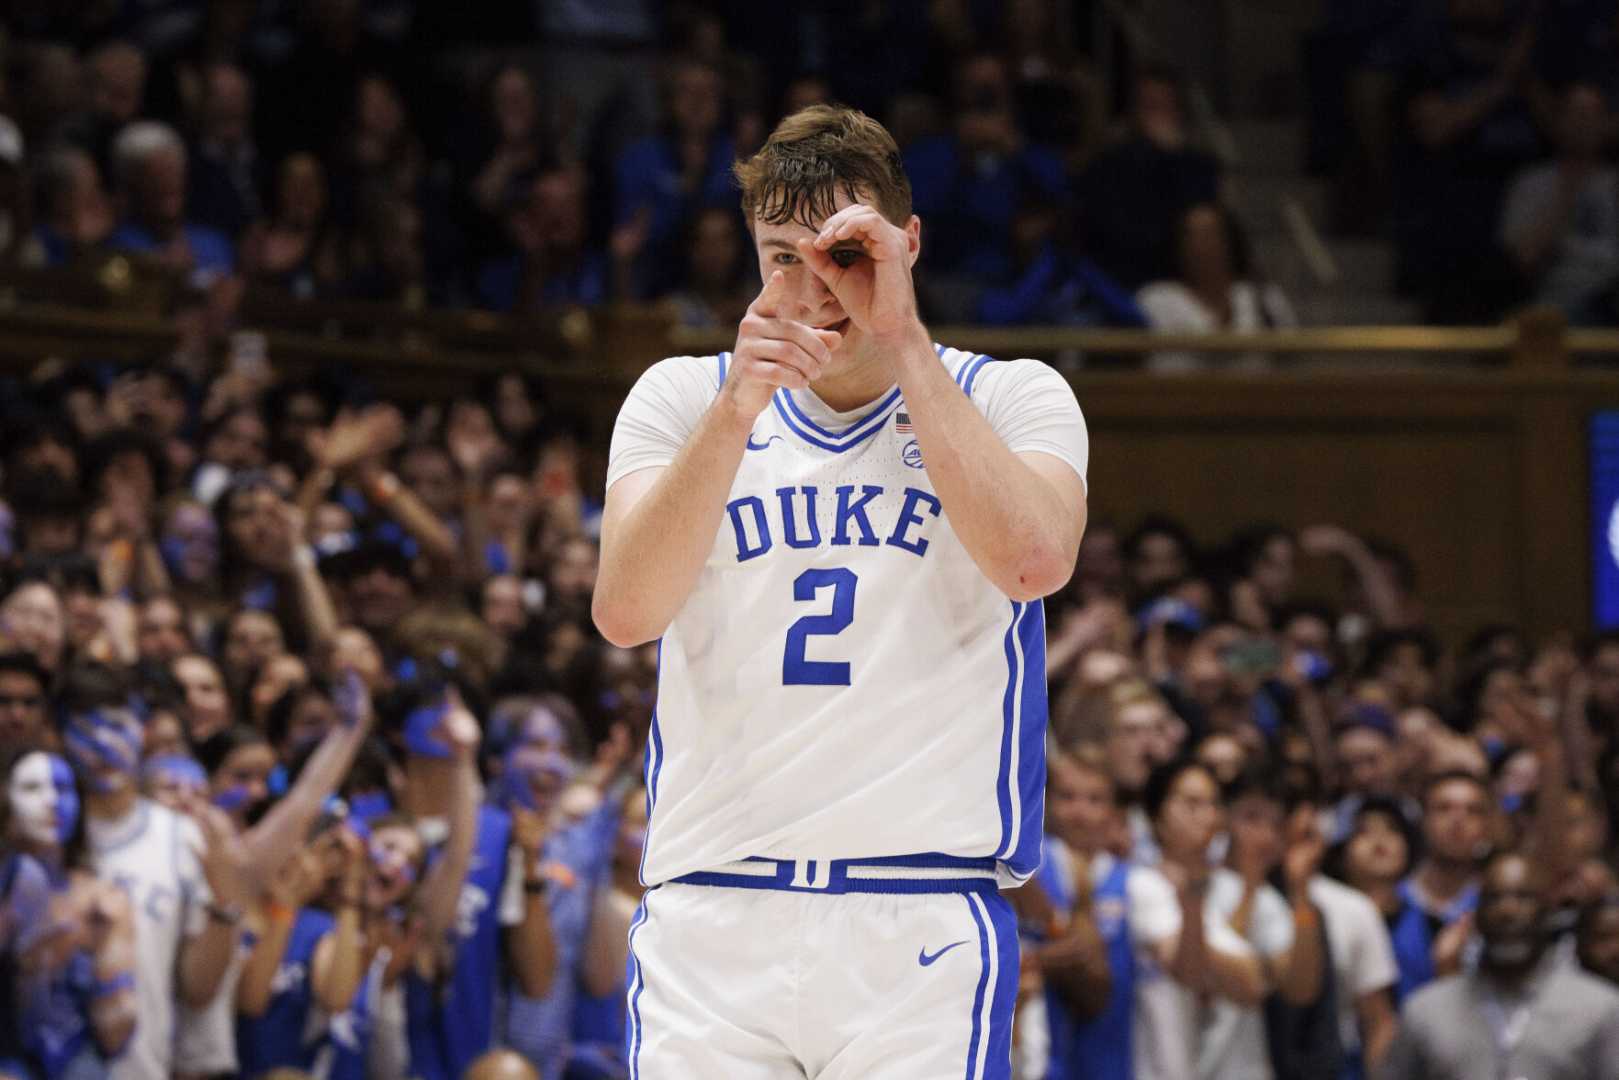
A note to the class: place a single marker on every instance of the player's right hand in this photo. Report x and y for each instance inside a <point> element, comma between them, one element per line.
<point>774,351</point>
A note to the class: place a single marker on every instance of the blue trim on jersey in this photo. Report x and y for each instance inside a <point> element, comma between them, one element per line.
<point>961,372</point>
<point>654,763</point>
<point>978,995</point>
<point>830,877</point>
<point>1003,1005</point>
<point>657,763</point>
<point>724,359</point>
<point>638,979</point>
<point>875,420</point>
<point>1003,787</point>
<point>972,376</point>
<point>1024,856</point>
<point>1023,724</point>
<point>792,405</point>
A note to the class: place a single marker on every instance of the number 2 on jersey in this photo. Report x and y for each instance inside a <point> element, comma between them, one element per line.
<point>796,670</point>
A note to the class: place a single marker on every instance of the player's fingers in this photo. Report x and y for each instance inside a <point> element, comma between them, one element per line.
<point>855,225</point>
<point>820,263</point>
<point>830,227</point>
<point>771,297</point>
<point>805,337</point>
<point>789,353</point>
<point>773,373</point>
<point>830,338</point>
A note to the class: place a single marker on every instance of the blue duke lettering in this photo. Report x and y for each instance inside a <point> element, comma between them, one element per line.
<point>793,517</point>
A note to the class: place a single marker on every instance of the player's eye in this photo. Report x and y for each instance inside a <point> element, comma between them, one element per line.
<point>784,259</point>
<point>846,257</point>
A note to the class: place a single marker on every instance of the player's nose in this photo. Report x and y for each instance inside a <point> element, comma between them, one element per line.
<point>808,297</point>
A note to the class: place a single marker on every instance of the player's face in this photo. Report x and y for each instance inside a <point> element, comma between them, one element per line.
<point>809,300</point>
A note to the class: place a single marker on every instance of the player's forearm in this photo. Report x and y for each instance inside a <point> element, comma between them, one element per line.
<point>1012,521</point>
<point>653,551</point>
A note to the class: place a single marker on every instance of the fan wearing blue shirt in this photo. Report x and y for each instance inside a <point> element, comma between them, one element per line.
<point>1077,917</point>
<point>496,901</point>
<point>970,184</point>
<point>1428,932</point>
<point>149,160</point>
<point>275,994</point>
<point>574,861</point>
<point>660,181</point>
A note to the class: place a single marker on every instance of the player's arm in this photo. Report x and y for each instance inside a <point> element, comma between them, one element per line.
<point>1020,516</point>
<point>659,524</point>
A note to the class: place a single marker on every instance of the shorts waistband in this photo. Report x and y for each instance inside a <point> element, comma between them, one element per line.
<point>896,874</point>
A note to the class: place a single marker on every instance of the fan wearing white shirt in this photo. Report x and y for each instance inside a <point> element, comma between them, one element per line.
<point>1215,291</point>
<point>183,881</point>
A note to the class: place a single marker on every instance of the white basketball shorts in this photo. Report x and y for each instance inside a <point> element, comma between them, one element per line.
<point>878,969</point>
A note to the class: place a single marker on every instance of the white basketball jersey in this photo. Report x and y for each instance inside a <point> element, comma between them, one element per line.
<point>843,681</point>
<point>151,854</point>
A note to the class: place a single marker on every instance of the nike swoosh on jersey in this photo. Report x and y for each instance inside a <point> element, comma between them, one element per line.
<point>925,960</point>
<point>761,446</point>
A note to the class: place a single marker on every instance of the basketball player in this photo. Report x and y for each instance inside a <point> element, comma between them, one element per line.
<point>841,533</point>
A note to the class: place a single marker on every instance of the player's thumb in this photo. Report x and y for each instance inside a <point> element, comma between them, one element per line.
<point>830,338</point>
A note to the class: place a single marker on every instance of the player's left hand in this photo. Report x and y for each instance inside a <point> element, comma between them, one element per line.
<point>865,262</point>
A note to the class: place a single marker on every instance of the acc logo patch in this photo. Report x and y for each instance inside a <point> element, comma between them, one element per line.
<point>911,455</point>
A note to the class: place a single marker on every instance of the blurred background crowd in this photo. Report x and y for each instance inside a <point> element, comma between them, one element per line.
<point>522,155</point>
<point>312,759</point>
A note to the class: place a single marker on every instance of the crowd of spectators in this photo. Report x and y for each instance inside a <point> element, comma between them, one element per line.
<point>581,153</point>
<point>1483,133</point>
<point>312,759</point>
